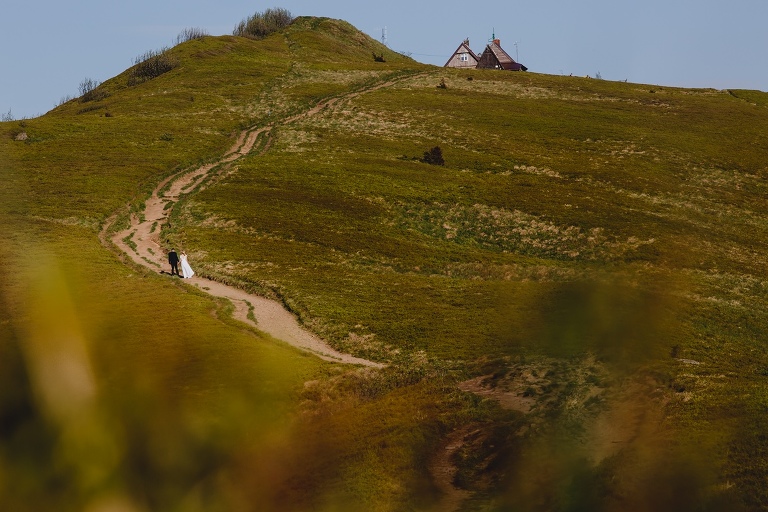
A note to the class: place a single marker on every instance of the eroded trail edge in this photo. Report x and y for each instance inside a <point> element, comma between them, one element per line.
<point>141,240</point>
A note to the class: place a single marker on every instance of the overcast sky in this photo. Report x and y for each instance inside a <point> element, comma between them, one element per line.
<point>48,47</point>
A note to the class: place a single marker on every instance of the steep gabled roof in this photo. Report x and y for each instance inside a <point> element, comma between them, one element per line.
<point>494,56</point>
<point>464,48</point>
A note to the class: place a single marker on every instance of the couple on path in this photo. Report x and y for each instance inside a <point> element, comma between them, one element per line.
<point>173,259</point>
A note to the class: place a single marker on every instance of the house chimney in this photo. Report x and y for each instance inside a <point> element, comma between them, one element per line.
<point>497,42</point>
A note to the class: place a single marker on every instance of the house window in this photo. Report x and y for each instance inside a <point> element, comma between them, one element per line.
<point>464,57</point>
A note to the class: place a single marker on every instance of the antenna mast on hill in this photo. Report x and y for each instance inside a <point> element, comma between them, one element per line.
<point>384,36</point>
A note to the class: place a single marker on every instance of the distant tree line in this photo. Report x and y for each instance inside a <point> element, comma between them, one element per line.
<point>262,24</point>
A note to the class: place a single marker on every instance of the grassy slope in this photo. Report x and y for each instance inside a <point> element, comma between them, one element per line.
<point>572,215</point>
<point>578,186</point>
<point>178,406</point>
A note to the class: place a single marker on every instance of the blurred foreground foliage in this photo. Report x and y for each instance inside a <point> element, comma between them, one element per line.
<point>122,390</point>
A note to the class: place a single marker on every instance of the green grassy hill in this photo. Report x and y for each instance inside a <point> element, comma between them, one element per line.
<point>575,303</point>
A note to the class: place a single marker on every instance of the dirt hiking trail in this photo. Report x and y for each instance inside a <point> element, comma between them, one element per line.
<point>141,240</point>
<point>142,243</point>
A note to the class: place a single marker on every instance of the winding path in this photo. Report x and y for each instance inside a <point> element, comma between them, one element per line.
<point>141,240</point>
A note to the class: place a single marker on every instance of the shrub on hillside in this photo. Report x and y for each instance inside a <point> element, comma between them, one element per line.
<point>151,65</point>
<point>189,34</point>
<point>434,156</point>
<point>65,99</point>
<point>262,24</point>
<point>89,91</point>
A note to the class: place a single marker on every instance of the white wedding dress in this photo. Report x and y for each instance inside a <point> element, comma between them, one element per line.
<point>186,270</point>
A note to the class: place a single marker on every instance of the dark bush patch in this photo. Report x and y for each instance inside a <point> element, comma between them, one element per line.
<point>90,91</point>
<point>434,156</point>
<point>151,65</point>
<point>90,108</point>
<point>262,24</point>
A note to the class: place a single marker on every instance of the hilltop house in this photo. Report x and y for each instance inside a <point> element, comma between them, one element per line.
<point>463,57</point>
<point>493,57</point>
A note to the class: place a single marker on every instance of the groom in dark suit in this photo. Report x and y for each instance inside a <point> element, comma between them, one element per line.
<point>173,259</point>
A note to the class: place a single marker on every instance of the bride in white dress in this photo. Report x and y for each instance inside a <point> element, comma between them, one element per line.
<point>186,270</point>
